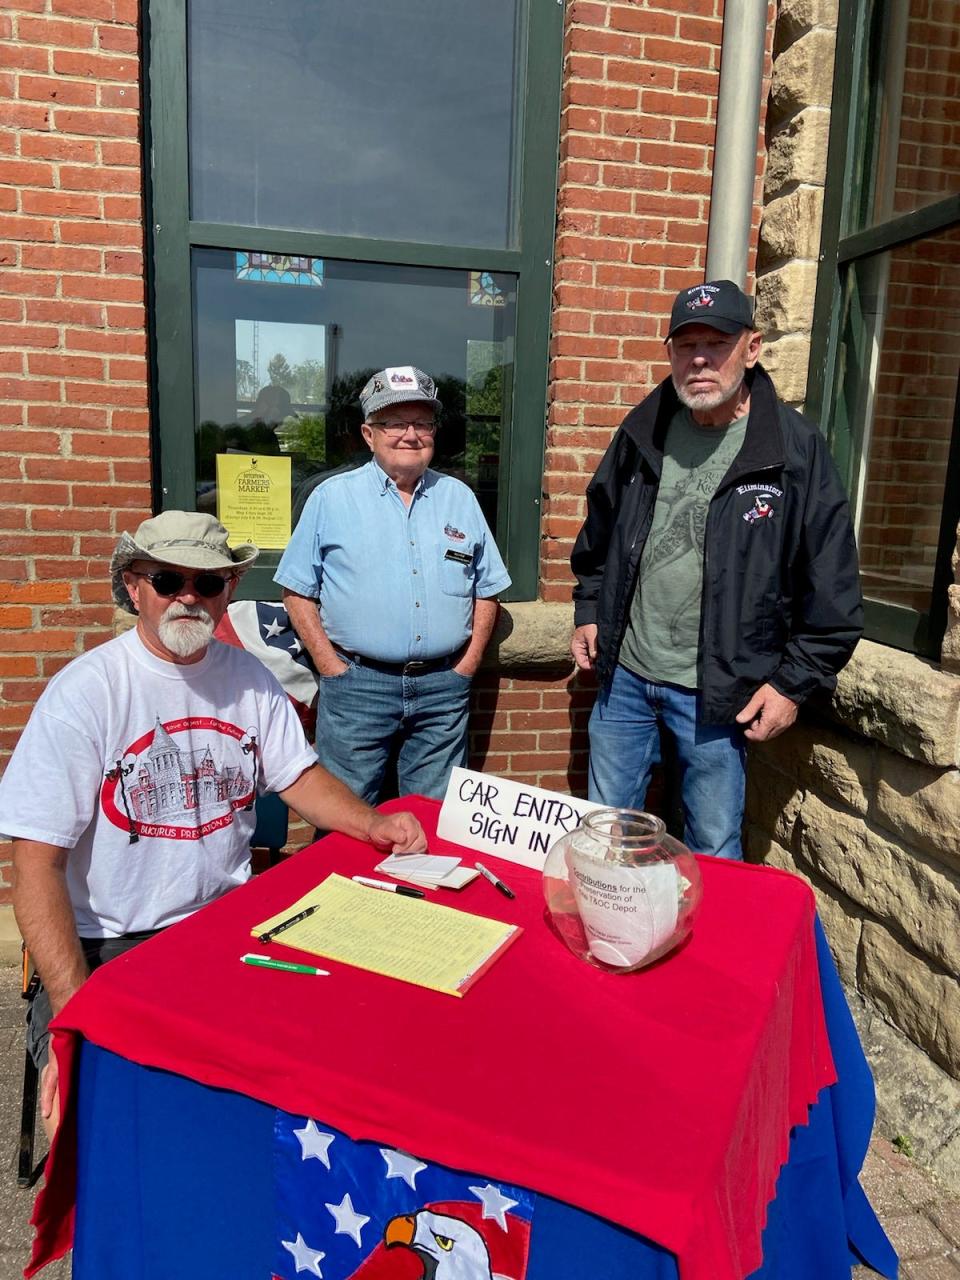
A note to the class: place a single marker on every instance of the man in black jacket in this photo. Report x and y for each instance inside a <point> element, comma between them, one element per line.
<point>717,577</point>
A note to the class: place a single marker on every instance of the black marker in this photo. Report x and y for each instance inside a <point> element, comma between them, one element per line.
<point>495,880</point>
<point>285,924</point>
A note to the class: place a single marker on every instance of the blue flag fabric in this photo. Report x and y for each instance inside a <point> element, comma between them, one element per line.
<point>360,1211</point>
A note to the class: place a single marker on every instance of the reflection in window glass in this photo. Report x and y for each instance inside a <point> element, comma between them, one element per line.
<point>289,99</point>
<point>900,360</point>
<point>918,103</point>
<point>278,369</point>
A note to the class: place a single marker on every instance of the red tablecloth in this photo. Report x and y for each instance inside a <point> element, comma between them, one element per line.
<point>661,1100</point>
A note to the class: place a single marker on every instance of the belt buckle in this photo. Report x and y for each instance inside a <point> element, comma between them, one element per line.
<point>411,668</point>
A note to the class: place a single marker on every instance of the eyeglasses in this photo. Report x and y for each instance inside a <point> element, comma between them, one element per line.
<point>168,582</point>
<point>423,427</point>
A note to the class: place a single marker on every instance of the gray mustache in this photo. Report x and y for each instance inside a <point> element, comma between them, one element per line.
<point>177,610</point>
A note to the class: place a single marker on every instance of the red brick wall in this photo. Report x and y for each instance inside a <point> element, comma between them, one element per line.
<point>74,453</point>
<point>639,85</point>
<point>636,158</point>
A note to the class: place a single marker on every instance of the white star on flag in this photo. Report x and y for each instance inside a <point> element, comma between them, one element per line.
<point>272,630</point>
<point>295,647</point>
<point>314,1143</point>
<point>307,1259</point>
<point>349,1222</point>
<point>400,1165</point>
<point>495,1203</point>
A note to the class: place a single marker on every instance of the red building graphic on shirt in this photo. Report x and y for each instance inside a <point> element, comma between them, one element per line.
<point>173,782</point>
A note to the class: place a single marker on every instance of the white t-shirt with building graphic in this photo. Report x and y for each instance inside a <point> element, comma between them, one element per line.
<point>187,771</point>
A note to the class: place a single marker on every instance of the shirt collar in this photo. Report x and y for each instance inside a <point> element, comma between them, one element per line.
<point>385,484</point>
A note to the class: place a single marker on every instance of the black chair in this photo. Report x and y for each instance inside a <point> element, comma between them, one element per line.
<point>273,820</point>
<point>27,1172</point>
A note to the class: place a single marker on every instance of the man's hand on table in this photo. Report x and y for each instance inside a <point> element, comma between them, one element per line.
<point>398,832</point>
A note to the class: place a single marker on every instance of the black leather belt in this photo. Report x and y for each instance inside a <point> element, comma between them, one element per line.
<point>400,668</point>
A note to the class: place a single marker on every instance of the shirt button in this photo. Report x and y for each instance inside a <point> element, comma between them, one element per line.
<point>412,543</point>
<point>414,571</point>
<point>418,604</point>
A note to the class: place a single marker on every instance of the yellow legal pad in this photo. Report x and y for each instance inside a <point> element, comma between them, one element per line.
<point>406,938</point>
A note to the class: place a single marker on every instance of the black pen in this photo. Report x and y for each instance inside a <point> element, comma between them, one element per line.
<point>495,880</point>
<point>405,891</point>
<point>285,924</point>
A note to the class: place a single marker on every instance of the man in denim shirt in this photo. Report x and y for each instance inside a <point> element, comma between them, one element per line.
<point>390,580</point>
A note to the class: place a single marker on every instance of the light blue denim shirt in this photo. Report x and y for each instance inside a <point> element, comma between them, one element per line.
<point>395,583</point>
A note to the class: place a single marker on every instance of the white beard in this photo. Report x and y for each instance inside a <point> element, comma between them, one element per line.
<point>185,638</point>
<point>702,400</point>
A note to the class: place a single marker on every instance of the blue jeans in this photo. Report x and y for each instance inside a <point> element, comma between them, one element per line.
<point>363,714</point>
<point>624,745</point>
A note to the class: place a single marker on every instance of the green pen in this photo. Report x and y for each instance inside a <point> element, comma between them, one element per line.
<point>265,962</point>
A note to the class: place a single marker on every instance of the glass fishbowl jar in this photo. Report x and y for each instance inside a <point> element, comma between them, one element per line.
<point>620,892</point>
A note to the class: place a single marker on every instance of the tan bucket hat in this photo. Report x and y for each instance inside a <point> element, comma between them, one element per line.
<point>187,539</point>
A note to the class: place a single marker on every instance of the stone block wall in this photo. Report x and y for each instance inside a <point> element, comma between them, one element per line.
<point>862,798</point>
<point>798,128</point>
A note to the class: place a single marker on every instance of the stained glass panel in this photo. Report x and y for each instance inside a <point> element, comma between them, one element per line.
<point>484,290</point>
<point>279,268</point>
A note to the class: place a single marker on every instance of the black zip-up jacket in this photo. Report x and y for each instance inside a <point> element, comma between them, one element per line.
<point>781,597</point>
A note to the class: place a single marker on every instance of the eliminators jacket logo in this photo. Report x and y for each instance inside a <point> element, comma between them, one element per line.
<point>763,505</point>
<point>184,781</point>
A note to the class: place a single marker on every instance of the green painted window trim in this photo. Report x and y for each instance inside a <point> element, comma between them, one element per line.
<point>844,243</point>
<point>173,236</point>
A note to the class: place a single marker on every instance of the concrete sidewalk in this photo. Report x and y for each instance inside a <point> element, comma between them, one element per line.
<point>921,1219</point>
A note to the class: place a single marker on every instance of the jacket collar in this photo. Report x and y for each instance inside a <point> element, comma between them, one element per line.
<point>763,446</point>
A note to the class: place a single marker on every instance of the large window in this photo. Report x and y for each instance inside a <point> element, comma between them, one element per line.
<point>337,188</point>
<point>886,356</point>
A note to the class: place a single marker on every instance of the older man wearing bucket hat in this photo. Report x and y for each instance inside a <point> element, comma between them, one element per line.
<point>130,796</point>
<point>390,580</point>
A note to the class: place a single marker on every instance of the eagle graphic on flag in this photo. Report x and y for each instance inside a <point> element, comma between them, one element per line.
<point>264,629</point>
<point>359,1211</point>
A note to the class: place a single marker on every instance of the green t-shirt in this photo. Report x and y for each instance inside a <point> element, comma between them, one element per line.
<point>663,633</point>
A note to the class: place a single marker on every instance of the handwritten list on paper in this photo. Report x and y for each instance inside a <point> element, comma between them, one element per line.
<point>416,941</point>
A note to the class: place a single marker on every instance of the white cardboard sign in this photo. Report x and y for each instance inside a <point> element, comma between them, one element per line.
<point>506,818</point>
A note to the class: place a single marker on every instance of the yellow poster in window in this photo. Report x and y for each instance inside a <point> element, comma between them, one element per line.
<point>253,498</point>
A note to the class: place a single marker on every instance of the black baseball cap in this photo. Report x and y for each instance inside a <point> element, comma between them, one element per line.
<point>717,303</point>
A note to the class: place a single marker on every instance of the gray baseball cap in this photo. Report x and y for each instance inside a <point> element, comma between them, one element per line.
<point>188,539</point>
<point>402,384</point>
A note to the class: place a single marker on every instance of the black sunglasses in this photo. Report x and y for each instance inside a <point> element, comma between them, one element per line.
<point>169,582</point>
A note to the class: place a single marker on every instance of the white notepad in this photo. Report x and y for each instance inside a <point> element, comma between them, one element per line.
<point>428,870</point>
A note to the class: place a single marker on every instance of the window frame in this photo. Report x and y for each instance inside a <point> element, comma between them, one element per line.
<point>172,235</point>
<point>851,152</point>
